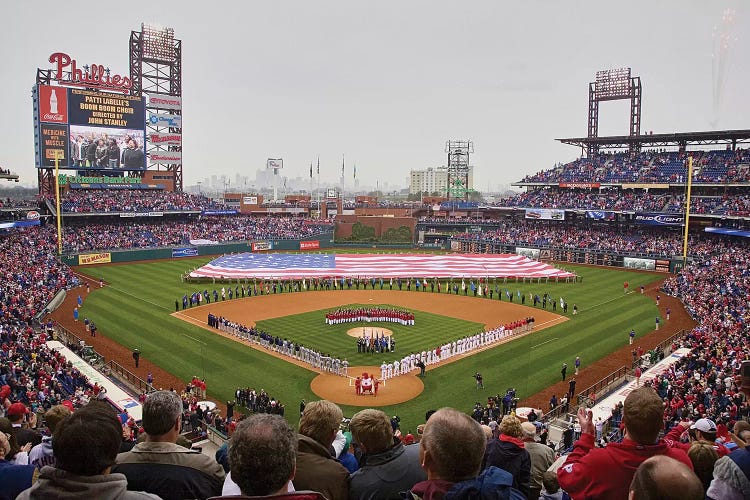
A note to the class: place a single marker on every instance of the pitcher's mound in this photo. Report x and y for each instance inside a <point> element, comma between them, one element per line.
<point>368,331</point>
<point>341,390</point>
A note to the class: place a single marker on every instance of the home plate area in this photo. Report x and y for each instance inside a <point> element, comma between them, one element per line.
<point>343,390</point>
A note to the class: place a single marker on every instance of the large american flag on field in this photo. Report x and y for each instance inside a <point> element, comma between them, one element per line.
<point>297,266</point>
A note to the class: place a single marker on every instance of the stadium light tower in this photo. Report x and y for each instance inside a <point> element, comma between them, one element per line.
<point>614,85</point>
<point>459,152</point>
<point>156,70</point>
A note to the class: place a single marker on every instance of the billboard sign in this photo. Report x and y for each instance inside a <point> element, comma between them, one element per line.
<point>81,179</point>
<point>20,223</point>
<point>156,101</point>
<point>259,246</point>
<point>274,163</point>
<point>158,139</point>
<point>163,120</point>
<point>88,107</point>
<point>166,157</point>
<point>53,104</point>
<point>309,245</point>
<point>89,129</point>
<point>659,219</point>
<point>638,263</point>
<point>600,215</point>
<point>53,142</point>
<point>184,252</point>
<point>580,185</point>
<point>545,214</point>
<point>67,72</point>
<point>94,258</point>
<point>249,200</point>
<point>531,253</point>
<point>219,212</point>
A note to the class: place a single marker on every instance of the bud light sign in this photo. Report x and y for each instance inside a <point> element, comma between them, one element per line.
<point>658,219</point>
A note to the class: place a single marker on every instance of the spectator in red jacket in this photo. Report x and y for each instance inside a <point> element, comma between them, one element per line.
<point>591,472</point>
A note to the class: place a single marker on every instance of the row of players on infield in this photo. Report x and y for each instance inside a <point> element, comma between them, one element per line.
<point>369,314</point>
<point>340,366</point>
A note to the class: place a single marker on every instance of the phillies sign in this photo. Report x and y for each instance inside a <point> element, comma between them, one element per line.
<point>67,72</point>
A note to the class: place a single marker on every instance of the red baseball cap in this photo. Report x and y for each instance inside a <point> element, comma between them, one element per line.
<point>16,409</point>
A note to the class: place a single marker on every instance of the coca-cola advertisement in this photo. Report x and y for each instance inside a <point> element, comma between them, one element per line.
<point>107,148</point>
<point>53,104</point>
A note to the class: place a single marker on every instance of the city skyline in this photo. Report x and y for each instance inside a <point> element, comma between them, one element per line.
<point>387,85</point>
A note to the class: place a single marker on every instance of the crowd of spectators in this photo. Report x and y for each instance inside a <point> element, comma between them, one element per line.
<point>651,167</point>
<point>100,236</point>
<point>132,200</point>
<point>18,203</point>
<point>456,455</point>
<point>738,204</point>
<point>619,240</point>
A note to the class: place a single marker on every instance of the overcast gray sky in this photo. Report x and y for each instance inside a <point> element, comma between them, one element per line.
<point>387,83</point>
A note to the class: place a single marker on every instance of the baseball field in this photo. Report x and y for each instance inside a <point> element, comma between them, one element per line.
<point>136,309</point>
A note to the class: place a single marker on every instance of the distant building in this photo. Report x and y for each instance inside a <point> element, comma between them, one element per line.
<point>433,180</point>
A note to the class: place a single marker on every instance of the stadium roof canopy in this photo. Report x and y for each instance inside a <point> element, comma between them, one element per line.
<point>714,138</point>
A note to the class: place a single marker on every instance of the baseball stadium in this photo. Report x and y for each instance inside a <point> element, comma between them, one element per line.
<point>603,298</point>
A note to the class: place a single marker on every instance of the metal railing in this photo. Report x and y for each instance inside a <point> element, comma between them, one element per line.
<point>584,397</point>
<point>557,412</point>
<point>665,346</point>
<point>129,378</point>
<point>78,345</point>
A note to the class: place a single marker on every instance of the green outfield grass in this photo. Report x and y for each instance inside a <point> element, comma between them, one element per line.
<point>135,311</point>
<point>310,330</point>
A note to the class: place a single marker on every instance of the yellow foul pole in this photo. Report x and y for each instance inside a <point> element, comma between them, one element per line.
<point>57,203</point>
<point>687,209</point>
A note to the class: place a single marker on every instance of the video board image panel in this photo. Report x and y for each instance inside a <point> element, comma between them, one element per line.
<point>100,130</point>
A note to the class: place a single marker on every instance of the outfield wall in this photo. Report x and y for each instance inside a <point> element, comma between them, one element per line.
<point>312,243</point>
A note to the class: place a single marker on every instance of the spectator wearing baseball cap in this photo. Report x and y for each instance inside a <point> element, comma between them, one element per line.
<point>16,413</point>
<point>703,429</point>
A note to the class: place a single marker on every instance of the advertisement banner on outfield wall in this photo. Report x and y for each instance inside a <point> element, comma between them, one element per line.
<point>545,214</point>
<point>259,246</point>
<point>659,219</point>
<point>600,215</point>
<point>645,186</point>
<point>309,245</point>
<point>184,252</point>
<point>249,200</point>
<point>94,258</point>
<point>662,265</point>
<point>531,253</point>
<point>639,264</point>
